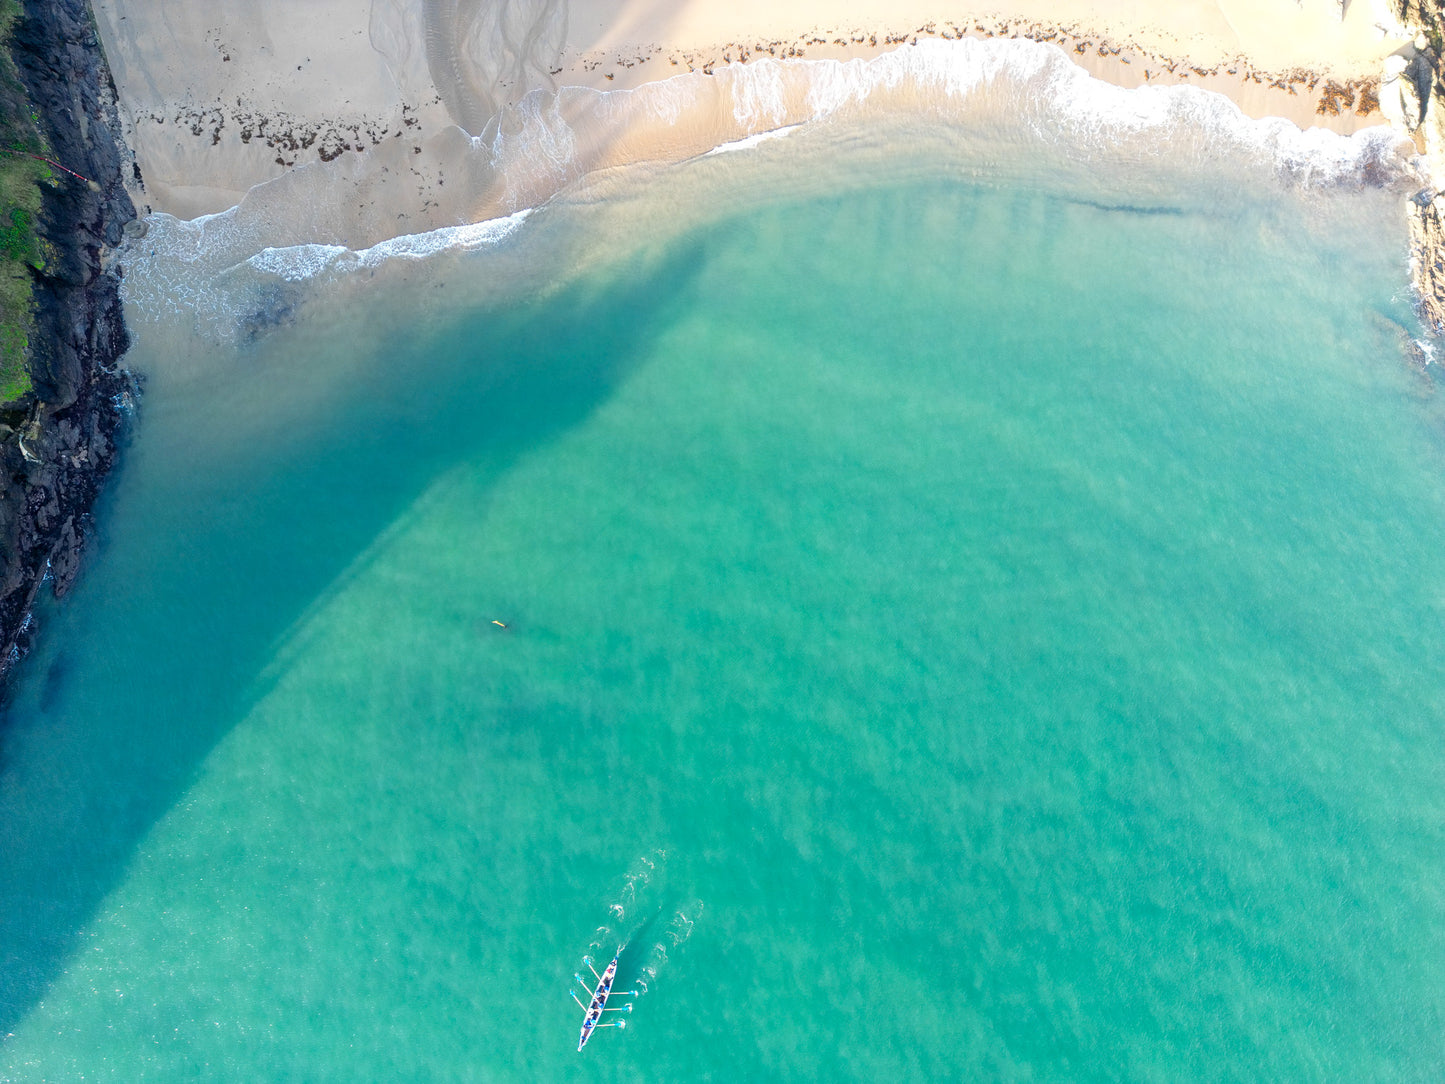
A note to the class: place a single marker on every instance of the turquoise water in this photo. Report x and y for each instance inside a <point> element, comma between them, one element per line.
<point>951,631</point>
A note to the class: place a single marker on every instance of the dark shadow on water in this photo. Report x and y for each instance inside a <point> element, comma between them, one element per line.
<point>637,938</point>
<point>124,728</point>
<point>1130,208</point>
<point>633,952</point>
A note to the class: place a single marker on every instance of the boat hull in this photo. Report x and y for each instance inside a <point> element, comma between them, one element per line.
<point>599,1003</point>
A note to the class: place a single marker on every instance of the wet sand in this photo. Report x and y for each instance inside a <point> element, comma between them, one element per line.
<point>381,96</point>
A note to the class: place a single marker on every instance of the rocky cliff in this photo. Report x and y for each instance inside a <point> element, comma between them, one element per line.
<point>1412,98</point>
<point>57,446</point>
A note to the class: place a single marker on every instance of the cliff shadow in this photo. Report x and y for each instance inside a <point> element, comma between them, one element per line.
<point>99,743</point>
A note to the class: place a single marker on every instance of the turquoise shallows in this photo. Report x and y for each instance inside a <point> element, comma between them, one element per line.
<point>951,632</point>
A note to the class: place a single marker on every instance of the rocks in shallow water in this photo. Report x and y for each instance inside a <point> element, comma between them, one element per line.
<point>275,305</point>
<point>65,556</point>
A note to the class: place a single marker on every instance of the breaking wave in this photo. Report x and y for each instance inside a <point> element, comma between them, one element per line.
<point>297,263</point>
<point>748,142</point>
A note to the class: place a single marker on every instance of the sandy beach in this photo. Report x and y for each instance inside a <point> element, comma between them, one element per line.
<point>216,99</point>
<point>1271,57</point>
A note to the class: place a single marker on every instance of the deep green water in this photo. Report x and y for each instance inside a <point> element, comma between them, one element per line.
<point>952,632</point>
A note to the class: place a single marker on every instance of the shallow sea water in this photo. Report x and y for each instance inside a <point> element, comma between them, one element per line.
<point>954,629</point>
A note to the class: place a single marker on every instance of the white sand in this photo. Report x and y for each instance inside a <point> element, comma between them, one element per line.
<point>222,95</point>
<point>1274,35</point>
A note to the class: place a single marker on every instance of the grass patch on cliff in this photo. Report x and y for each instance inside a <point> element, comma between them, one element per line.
<point>21,250</point>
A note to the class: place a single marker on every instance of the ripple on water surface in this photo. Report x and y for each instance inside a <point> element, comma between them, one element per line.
<point>944,616</point>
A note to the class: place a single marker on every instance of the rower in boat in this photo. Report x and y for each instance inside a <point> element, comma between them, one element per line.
<point>600,993</point>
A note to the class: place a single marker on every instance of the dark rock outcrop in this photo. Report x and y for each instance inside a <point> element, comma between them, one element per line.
<point>1412,97</point>
<point>61,442</point>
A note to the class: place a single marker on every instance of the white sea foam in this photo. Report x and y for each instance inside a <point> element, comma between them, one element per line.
<point>753,140</point>
<point>297,263</point>
<point>759,93</point>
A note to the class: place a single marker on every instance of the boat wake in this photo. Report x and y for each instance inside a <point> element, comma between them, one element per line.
<point>643,891</point>
<point>624,900</point>
<point>679,929</point>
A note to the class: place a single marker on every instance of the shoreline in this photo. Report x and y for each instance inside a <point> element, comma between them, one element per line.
<point>1339,100</point>
<point>976,99</point>
<point>981,87</point>
<point>213,107</point>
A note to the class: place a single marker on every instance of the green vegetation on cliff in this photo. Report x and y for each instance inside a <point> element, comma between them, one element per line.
<point>21,248</point>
